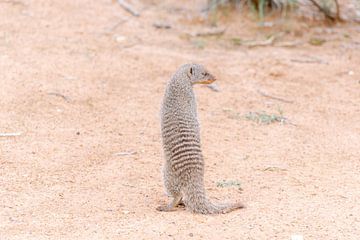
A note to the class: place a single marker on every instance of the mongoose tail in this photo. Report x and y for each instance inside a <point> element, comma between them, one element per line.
<point>197,202</point>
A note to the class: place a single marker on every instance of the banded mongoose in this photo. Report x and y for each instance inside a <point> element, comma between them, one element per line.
<point>183,171</point>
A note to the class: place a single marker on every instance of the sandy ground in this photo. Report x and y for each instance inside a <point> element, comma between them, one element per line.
<point>82,81</point>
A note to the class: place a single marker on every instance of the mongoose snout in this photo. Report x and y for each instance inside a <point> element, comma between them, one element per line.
<point>198,74</point>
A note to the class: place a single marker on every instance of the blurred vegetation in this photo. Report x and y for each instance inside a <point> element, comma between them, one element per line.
<point>330,8</point>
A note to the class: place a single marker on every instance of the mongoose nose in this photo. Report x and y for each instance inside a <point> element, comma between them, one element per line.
<point>212,78</point>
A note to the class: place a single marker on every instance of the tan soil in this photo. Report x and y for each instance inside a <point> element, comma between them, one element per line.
<point>81,89</point>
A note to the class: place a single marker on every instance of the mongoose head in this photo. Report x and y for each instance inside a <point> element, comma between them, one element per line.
<point>198,74</point>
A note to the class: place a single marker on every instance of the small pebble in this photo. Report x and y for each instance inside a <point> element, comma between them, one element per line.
<point>119,38</point>
<point>297,237</point>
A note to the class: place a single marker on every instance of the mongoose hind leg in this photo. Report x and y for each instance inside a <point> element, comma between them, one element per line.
<point>173,189</point>
<point>177,199</point>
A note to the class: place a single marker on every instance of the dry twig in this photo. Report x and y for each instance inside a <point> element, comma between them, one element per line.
<point>10,134</point>
<point>308,61</point>
<point>289,44</point>
<point>209,32</point>
<point>128,8</point>
<point>125,153</point>
<point>59,95</point>
<point>13,2</point>
<point>327,13</point>
<point>115,26</point>
<point>256,43</point>
<point>337,10</point>
<point>275,98</point>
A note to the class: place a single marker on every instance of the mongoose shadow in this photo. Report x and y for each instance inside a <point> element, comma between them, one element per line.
<point>183,171</point>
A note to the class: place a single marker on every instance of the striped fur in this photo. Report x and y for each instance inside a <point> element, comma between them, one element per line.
<point>183,170</point>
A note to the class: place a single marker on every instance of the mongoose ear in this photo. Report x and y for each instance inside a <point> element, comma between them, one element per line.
<point>191,71</point>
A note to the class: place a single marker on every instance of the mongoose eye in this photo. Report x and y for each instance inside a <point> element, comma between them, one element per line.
<point>191,70</point>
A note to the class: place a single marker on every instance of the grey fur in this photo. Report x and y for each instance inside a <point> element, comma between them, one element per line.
<point>183,171</point>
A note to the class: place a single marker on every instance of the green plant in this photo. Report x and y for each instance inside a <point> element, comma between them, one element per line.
<point>229,183</point>
<point>265,118</point>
